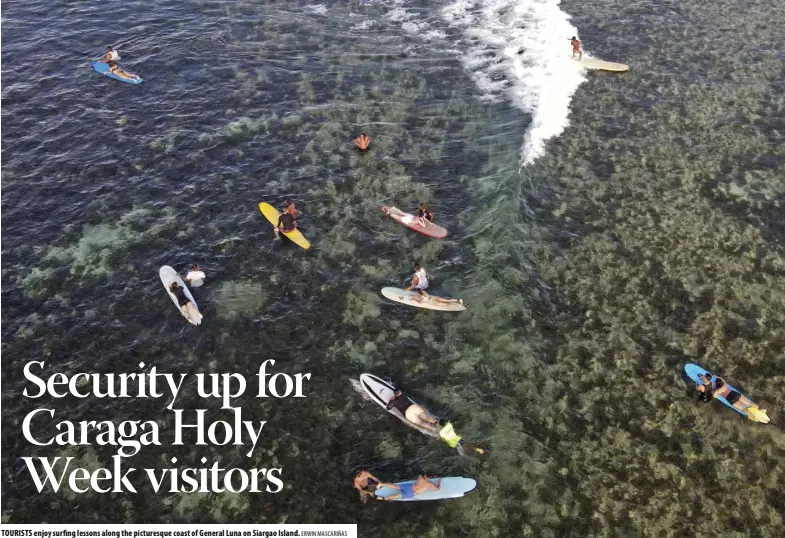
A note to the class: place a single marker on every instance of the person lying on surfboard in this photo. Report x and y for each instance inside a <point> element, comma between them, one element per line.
<point>188,308</point>
<point>576,47</point>
<point>366,484</point>
<point>739,401</point>
<point>420,284</point>
<point>362,142</point>
<point>110,57</point>
<point>407,491</point>
<point>413,412</point>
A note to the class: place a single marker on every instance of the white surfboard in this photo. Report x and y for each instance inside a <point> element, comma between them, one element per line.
<point>602,65</point>
<point>168,276</point>
<point>382,392</point>
<point>432,302</point>
<point>450,487</point>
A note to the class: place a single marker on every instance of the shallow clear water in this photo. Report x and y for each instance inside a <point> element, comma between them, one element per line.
<point>645,232</point>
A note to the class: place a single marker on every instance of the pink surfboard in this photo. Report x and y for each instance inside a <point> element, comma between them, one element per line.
<point>413,222</point>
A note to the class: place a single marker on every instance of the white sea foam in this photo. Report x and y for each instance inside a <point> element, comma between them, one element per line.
<point>520,49</point>
<point>317,9</point>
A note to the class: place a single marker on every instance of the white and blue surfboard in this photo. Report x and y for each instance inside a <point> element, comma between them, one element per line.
<point>450,487</point>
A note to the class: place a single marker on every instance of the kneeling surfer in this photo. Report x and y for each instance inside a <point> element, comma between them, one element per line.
<point>420,284</point>
<point>407,491</point>
<point>366,484</point>
<point>413,412</point>
<point>186,305</point>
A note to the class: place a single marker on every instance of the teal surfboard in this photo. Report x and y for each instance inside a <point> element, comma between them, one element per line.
<point>450,487</point>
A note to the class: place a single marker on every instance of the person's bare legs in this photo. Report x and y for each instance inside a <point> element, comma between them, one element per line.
<point>193,312</point>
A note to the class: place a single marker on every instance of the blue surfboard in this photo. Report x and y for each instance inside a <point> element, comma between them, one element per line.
<point>451,487</point>
<point>693,370</point>
<point>103,68</point>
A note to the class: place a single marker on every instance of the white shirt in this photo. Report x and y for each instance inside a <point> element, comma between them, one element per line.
<point>422,279</point>
<point>195,278</point>
<point>113,56</point>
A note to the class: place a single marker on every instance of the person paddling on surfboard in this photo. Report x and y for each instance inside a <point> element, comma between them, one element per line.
<point>362,142</point>
<point>407,491</point>
<point>576,47</point>
<point>413,412</point>
<point>740,402</point>
<point>366,484</point>
<point>110,57</point>
<point>189,309</point>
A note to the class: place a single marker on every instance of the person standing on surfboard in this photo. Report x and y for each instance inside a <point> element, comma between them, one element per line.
<point>576,47</point>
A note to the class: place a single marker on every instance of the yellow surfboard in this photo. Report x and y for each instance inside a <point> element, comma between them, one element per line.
<point>272,214</point>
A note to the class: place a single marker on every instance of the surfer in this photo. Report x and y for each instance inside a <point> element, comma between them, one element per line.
<point>286,223</point>
<point>705,389</point>
<point>186,305</point>
<point>413,412</point>
<point>290,209</point>
<point>448,435</point>
<point>407,491</point>
<point>739,401</point>
<point>425,216</point>
<point>366,484</point>
<point>420,284</point>
<point>362,142</point>
<point>195,276</point>
<point>576,47</point>
<point>110,57</point>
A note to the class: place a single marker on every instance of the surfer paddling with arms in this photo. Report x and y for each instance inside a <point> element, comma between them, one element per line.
<point>420,284</point>
<point>576,47</point>
<point>110,57</point>
<point>366,484</point>
<point>362,142</point>
<point>188,308</point>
